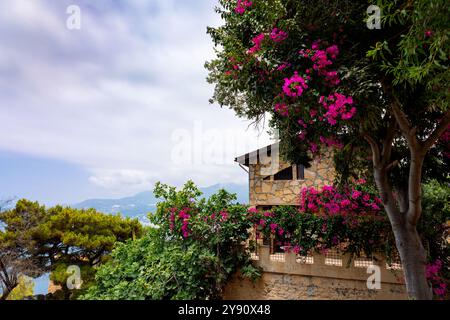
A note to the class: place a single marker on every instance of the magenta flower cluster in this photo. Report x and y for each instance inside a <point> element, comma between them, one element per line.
<point>282,109</point>
<point>337,106</point>
<point>321,60</point>
<point>438,284</point>
<point>351,203</point>
<point>257,42</point>
<point>294,86</point>
<point>330,215</point>
<point>331,142</point>
<point>278,35</point>
<point>183,216</point>
<point>242,6</point>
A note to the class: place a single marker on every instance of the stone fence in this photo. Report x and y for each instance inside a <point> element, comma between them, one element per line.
<point>330,276</point>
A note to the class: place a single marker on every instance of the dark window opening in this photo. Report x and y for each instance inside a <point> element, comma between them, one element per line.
<point>285,174</point>
<point>300,172</point>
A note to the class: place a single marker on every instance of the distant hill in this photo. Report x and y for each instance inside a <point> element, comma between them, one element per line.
<point>142,203</point>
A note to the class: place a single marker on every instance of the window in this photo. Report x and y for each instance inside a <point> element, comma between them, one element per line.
<point>285,174</point>
<point>300,172</point>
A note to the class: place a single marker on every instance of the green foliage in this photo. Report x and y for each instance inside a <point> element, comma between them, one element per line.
<point>435,227</point>
<point>58,237</point>
<point>190,254</point>
<point>420,54</point>
<point>24,289</point>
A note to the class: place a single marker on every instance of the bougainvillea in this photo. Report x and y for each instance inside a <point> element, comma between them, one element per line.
<point>392,86</point>
<point>350,219</point>
<point>434,276</point>
<point>294,86</point>
<point>242,5</point>
<point>257,42</point>
<point>278,35</point>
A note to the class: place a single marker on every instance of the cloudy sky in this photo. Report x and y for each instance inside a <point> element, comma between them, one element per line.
<point>108,109</point>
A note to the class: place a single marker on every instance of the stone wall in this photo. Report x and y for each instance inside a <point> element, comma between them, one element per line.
<point>286,277</point>
<point>265,191</point>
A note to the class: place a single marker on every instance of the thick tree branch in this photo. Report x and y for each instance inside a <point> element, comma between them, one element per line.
<point>376,155</point>
<point>439,131</point>
<point>388,142</point>
<point>415,188</point>
<point>387,197</point>
<point>382,177</point>
<point>405,126</point>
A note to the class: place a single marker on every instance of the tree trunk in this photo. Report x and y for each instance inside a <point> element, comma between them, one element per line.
<point>409,245</point>
<point>5,295</point>
<point>414,258</point>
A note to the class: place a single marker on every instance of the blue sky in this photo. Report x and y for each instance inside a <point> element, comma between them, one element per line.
<point>107,110</point>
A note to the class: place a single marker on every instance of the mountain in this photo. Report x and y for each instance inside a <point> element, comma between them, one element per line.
<point>139,205</point>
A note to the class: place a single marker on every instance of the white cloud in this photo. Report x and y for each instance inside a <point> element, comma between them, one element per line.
<point>117,179</point>
<point>110,96</point>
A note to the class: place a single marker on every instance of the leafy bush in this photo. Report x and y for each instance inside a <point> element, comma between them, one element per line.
<point>434,229</point>
<point>195,246</point>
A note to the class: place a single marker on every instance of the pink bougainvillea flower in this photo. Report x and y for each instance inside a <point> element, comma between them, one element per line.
<point>336,106</point>
<point>242,6</point>
<point>428,34</point>
<point>313,147</point>
<point>345,203</point>
<point>257,41</point>
<point>278,35</point>
<point>356,194</point>
<point>302,123</point>
<point>333,51</point>
<point>282,109</point>
<point>320,60</point>
<point>294,86</point>
<point>331,142</point>
<point>332,78</point>
<point>223,216</point>
<point>273,227</point>
<point>316,44</point>
<point>361,181</point>
<point>302,135</point>
<point>283,66</point>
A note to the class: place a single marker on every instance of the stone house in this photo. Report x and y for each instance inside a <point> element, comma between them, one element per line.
<point>273,182</point>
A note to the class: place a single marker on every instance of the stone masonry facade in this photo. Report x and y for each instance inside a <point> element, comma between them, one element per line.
<point>266,191</point>
<point>285,277</point>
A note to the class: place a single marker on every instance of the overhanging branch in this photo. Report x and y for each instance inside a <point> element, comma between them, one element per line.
<point>439,131</point>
